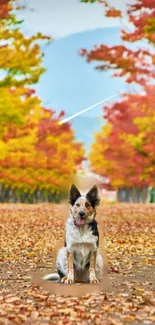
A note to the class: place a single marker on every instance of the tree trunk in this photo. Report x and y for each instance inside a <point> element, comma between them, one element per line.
<point>133,195</point>
<point>8,195</point>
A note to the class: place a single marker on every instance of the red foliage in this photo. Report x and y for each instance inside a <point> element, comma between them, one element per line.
<point>136,66</point>
<point>4,9</point>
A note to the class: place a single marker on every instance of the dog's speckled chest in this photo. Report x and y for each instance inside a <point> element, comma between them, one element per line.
<point>81,242</point>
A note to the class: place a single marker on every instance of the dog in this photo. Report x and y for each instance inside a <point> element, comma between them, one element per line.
<point>79,261</point>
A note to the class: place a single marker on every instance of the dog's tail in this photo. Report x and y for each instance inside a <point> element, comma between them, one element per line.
<point>52,277</point>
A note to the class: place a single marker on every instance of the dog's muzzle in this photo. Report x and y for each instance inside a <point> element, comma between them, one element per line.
<point>82,215</point>
<point>81,218</point>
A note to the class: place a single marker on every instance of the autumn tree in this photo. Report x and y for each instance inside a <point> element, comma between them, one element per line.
<point>38,158</point>
<point>126,152</point>
<point>123,150</point>
<point>21,69</point>
<point>36,153</point>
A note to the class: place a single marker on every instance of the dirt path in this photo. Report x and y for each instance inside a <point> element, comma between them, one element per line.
<point>27,238</point>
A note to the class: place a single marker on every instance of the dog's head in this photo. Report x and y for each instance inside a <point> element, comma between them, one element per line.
<point>83,207</point>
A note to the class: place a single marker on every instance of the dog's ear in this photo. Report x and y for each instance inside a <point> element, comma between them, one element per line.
<point>93,196</point>
<point>74,194</point>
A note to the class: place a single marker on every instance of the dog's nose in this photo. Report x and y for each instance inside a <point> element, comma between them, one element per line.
<point>82,214</point>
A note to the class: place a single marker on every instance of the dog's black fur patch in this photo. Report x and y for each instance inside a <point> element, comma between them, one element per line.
<point>74,194</point>
<point>93,197</point>
<point>94,228</point>
<point>61,274</point>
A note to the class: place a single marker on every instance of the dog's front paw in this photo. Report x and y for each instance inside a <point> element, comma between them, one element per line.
<point>68,279</point>
<point>94,281</point>
<point>92,277</point>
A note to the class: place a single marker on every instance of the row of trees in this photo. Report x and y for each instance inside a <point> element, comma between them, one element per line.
<point>124,150</point>
<point>37,154</point>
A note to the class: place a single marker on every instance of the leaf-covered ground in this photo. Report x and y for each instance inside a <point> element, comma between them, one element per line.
<point>27,238</point>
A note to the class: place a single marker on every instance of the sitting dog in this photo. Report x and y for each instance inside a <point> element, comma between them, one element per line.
<point>79,260</point>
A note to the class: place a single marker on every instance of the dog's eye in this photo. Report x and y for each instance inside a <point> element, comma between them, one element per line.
<point>87,205</point>
<point>77,204</point>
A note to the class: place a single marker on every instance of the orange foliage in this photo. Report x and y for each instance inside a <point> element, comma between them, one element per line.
<point>112,12</point>
<point>5,7</point>
<point>123,150</point>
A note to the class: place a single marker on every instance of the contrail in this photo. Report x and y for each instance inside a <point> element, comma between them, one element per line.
<point>85,110</point>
